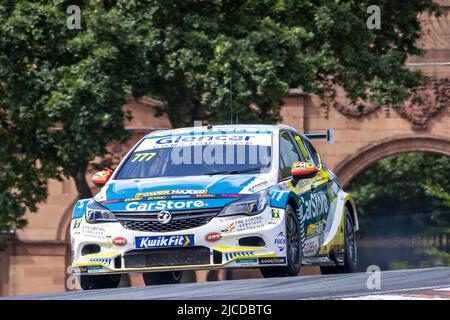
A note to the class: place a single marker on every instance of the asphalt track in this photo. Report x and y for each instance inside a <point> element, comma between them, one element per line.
<point>401,283</point>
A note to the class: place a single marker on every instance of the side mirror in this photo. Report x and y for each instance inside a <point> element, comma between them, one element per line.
<point>102,177</point>
<point>303,170</point>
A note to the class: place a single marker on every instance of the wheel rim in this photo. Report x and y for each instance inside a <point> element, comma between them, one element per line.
<point>293,241</point>
<point>350,242</point>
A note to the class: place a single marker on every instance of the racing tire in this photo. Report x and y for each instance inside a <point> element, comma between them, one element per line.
<point>350,253</point>
<point>293,249</point>
<point>156,278</point>
<point>99,281</point>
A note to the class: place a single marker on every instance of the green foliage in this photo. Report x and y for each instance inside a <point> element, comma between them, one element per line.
<point>434,258</point>
<point>61,98</point>
<point>202,57</point>
<point>399,265</point>
<point>404,194</point>
<point>429,257</point>
<point>22,182</point>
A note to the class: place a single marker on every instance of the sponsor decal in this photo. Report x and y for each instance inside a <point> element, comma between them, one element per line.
<point>249,223</point>
<point>80,269</point>
<point>314,207</point>
<point>315,229</point>
<point>164,204</point>
<point>311,246</point>
<point>252,207</point>
<point>259,186</point>
<point>206,196</point>
<point>90,216</point>
<point>143,156</point>
<point>284,186</point>
<point>76,224</point>
<point>170,192</point>
<point>115,200</point>
<point>228,219</point>
<point>165,241</point>
<point>278,260</point>
<point>280,241</point>
<point>213,237</point>
<point>205,139</point>
<point>93,232</point>
<point>181,196</point>
<point>119,241</point>
<point>246,261</point>
<point>245,224</point>
<point>94,268</point>
<point>231,195</point>
<point>230,228</point>
<point>275,213</point>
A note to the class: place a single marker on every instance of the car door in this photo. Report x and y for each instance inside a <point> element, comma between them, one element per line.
<point>290,153</point>
<point>322,198</point>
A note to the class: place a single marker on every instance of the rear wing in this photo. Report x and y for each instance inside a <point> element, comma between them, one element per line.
<point>328,135</point>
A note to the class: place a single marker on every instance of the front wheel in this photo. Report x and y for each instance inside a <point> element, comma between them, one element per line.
<point>350,254</point>
<point>152,278</point>
<point>99,281</point>
<point>293,249</point>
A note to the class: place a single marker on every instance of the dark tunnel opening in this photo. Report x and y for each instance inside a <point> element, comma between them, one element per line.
<point>403,206</point>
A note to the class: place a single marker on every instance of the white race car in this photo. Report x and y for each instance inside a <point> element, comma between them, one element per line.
<point>232,196</point>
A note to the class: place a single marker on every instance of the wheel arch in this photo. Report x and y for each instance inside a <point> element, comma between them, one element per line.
<point>350,205</point>
<point>292,201</point>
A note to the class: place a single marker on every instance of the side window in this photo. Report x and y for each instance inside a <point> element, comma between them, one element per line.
<point>303,148</point>
<point>312,151</point>
<point>288,155</point>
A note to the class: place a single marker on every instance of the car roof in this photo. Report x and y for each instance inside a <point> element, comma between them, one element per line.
<point>231,128</point>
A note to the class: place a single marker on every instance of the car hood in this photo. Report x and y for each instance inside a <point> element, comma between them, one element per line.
<point>182,192</point>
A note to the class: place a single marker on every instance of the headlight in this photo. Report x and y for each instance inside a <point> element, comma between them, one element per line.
<point>250,205</point>
<point>96,213</point>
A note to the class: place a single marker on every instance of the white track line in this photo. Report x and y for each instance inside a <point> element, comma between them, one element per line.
<point>393,291</point>
<point>443,289</point>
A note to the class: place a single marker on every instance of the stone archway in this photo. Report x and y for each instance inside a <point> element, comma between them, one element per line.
<point>368,155</point>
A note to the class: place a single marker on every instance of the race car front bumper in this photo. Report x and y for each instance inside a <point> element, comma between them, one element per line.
<point>224,242</point>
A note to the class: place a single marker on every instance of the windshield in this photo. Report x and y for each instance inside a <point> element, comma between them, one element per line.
<point>190,155</point>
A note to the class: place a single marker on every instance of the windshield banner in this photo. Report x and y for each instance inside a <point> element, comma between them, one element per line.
<point>205,139</point>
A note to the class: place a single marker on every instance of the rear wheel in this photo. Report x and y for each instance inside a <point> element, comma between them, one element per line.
<point>99,281</point>
<point>152,278</point>
<point>350,254</point>
<point>293,249</point>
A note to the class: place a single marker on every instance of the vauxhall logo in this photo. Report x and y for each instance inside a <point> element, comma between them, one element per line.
<point>164,217</point>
